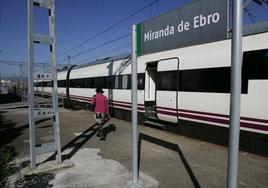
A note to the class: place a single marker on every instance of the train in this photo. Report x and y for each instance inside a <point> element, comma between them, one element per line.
<point>186,90</point>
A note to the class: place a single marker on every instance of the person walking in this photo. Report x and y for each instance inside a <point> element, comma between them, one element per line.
<point>101,109</point>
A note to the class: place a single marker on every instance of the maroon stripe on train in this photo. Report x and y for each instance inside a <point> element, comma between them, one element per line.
<point>254,126</point>
<point>80,98</point>
<point>226,116</point>
<point>189,111</point>
<point>112,104</point>
<point>219,115</point>
<point>254,119</point>
<point>197,117</point>
<point>215,120</point>
<point>166,108</point>
<point>126,106</point>
<point>204,113</point>
<point>125,102</point>
<point>109,100</point>
<point>167,113</point>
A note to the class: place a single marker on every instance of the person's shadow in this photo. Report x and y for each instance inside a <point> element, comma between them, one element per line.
<point>108,129</point>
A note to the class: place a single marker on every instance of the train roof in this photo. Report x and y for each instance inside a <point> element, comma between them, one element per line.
<point>256,28</point>
<point>98,61</point>
<point>105,60</point>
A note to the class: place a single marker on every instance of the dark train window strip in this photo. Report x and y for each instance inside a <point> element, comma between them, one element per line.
<point>107,82</point>
<point>255,64</point>
<point>214,80</point>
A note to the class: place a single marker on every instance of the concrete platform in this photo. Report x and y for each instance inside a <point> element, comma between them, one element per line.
<point>48,167</point>
<point>166,159</point>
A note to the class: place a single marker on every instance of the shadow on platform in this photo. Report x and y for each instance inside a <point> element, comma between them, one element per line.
<point>8,98</point>
<point>170,146</point>
<point>9,130</point>
<point>80,140</point>
<point>34,181</point>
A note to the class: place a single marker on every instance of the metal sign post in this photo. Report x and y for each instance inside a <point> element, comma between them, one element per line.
<point>31,85</point>
<point>43,112</point>
<point>135,181</point>
<point>235,93</point>
<point>56,123</point>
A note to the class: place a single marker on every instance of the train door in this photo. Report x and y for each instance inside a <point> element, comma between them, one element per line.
<point>150,91</point>
<point>167,90</point>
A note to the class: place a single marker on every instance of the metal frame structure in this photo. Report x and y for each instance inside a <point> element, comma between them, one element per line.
<point>45,112</point>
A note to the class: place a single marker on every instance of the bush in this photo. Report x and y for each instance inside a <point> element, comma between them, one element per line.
<point>7,154</point>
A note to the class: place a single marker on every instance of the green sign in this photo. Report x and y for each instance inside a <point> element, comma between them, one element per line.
<point>199,22</point>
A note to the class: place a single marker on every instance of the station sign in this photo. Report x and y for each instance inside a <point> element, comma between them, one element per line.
<point>42,76</point>
<point>196,23</point>
<point>44,112</point>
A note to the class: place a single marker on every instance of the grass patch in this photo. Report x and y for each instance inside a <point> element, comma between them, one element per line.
<point>7,154</point>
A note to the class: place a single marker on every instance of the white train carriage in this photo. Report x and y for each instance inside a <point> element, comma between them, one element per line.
<point>185,89</point>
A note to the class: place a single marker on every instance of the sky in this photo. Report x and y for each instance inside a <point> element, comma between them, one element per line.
<point>76,22</point>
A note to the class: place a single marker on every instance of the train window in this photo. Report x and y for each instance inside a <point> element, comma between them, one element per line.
<point>38,84</point>
<point>255,67</point>
<point>255,64</point>
<point>116,82</point>
<point>93,82</point>
<point>42,84</point>
<point>104,82</point>
<point>124,81</point>
<point>96,82</point>
<point>141,79</point>
<point>120,81</point>
<point>88,83</point>
<point>72,83</point>
<point>217,80</point>
<point>61,83</point>
<point>49,84</point>
<point>129,81</point>
<point>213,80</point>
<point>166,81</point>
<point>99,82</point>
<point>110,82</point>
<point>79,83</point>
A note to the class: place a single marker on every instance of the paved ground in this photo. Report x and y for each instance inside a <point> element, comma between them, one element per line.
<point>169,159</point>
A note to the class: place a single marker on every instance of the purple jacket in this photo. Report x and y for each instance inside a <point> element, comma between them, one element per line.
<point>101,103</point>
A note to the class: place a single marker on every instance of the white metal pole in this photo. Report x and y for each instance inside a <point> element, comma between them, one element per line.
<point>56,122</point>
<point>134,109</point>
<point>31,86</point>
<point>236,67</point>
<point>0,81</point>
<point>228,19</point>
